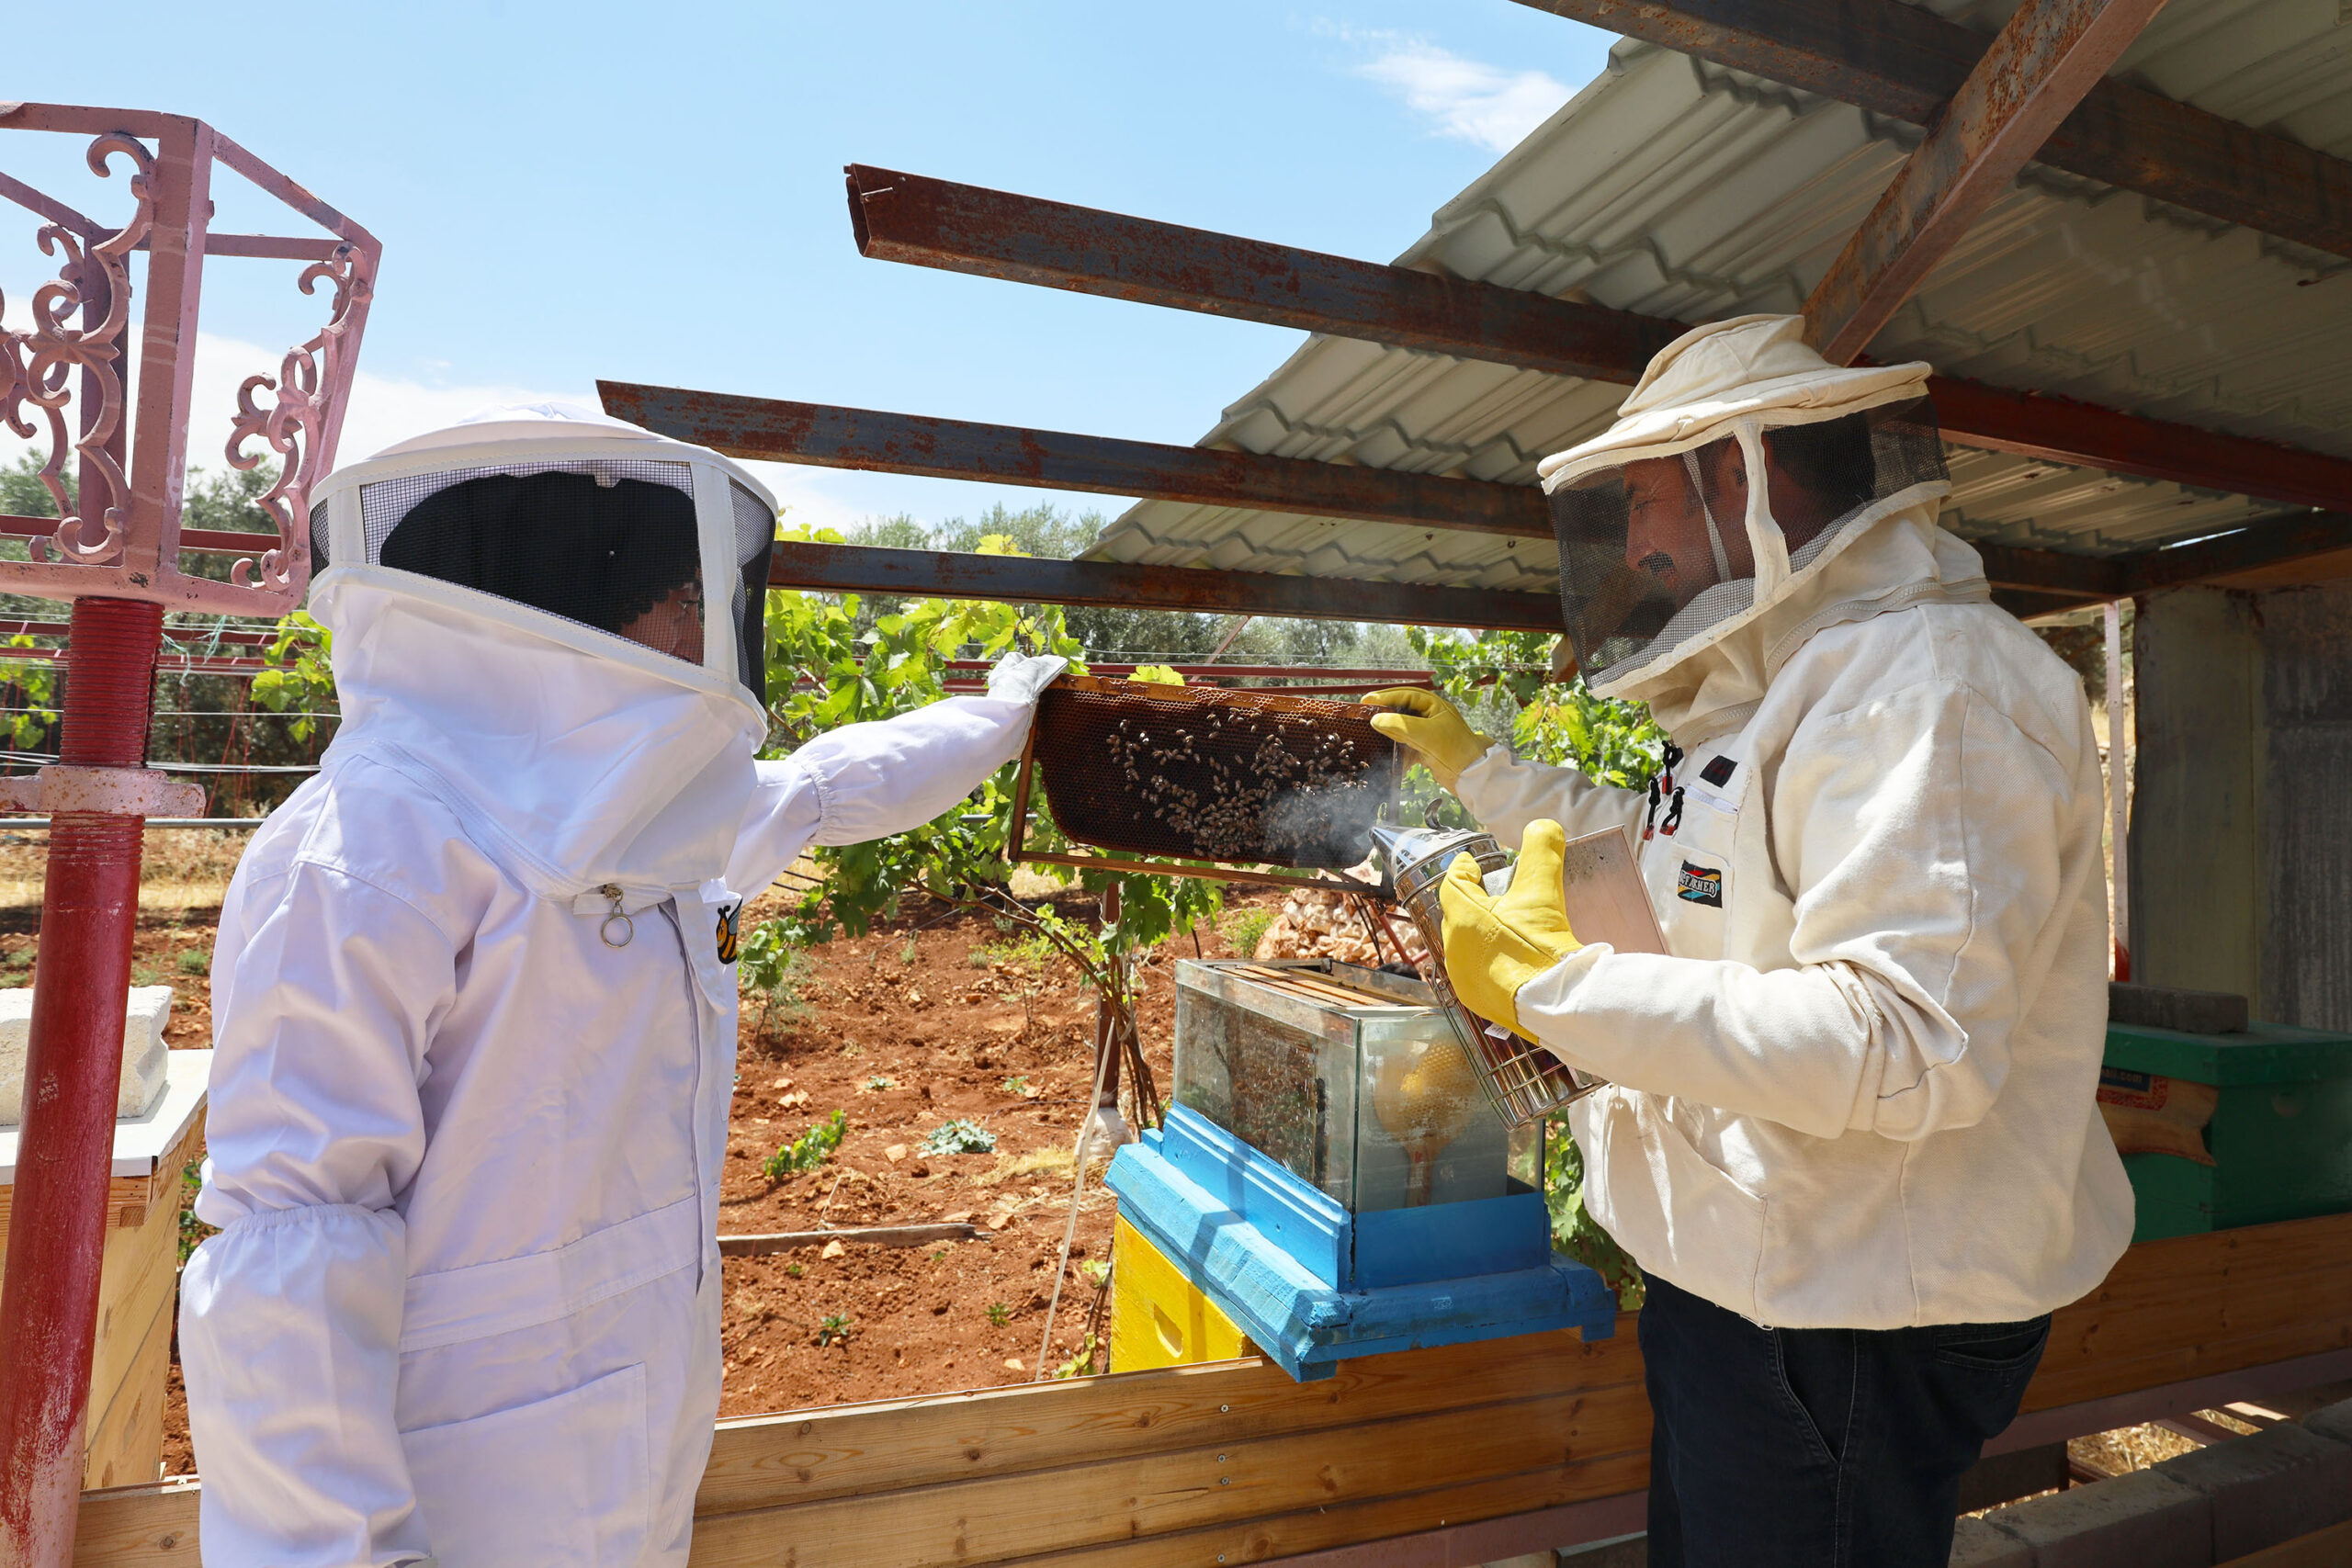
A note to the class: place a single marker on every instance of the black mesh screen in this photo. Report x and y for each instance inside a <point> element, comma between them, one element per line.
<point>623,556</point>
<point>754,542</point>
<point>1245,777</point>
<point>1639,573</point>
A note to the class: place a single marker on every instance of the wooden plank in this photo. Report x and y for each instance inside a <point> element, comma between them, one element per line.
<point>126,1441</point>
<point>1012,1518</point>
<point>1286,1536</point>
<point>2329,1548</point>
<point>871,1235</point>
<point>2046,56</point>
<point>2102,1379</point>
<point>137,1527</point>
<point>866,1449</point>
<point>139,1276</point>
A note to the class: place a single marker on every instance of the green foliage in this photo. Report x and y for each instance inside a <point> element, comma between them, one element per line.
<point>1018,1083</point>
<point>192,1230</point>
<point>770,965</point>
<point>998,1313</point>
<point>793,1270</point>
<point>194,960</point>
<point>828,666</point>
<point>1096,1269</point>
<point>810,1150</point>
<point>34,683</point>
<point>837,1327</point>
<point>825,670</point>
<point>1083,1364</point>
<point>960,1136</point>
<point>1610,742</point>
<point>1243,926</point>
<point>1576,1232</point>
<point>881,1081</point>
<point>300,680</point>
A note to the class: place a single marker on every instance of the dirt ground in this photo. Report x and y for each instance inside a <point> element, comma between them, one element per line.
<point>928,1020</point>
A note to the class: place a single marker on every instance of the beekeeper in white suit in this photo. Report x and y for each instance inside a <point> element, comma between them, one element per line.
<point>1851,1138</point>
<point>474,1006</point>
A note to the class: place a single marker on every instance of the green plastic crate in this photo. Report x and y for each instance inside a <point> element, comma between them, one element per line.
<point>2281,1138</point>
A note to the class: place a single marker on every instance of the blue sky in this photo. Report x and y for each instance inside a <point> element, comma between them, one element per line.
<point>654,193</point>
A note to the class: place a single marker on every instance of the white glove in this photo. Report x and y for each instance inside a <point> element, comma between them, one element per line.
<point>1019,677</point>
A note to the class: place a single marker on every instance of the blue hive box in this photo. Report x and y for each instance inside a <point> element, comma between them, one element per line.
<point>1332,1180</point>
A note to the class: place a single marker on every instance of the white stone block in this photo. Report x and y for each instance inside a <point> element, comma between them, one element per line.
<point>142,1050</point>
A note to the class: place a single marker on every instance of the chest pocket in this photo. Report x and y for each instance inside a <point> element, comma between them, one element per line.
<point>1689,872</point>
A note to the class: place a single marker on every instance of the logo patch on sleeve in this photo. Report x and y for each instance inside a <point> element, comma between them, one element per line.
<point>730,922</point>
<point>1718,772</point>
<point>1700,885</point>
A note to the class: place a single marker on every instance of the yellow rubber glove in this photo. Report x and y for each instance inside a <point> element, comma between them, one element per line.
<point>1493,946</point>
<point>1428,725</point>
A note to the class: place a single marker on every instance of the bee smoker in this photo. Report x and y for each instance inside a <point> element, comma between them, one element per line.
<point>1523,1081</point>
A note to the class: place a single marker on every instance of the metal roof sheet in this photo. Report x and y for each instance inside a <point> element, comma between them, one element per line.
<point>1678,188</point>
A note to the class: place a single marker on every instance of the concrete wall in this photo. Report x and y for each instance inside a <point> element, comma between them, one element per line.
<point>2196,857</point>
<point>2306,637</point>
<point>2241,843</point>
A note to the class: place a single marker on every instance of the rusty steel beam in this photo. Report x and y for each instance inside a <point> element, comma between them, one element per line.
<point>2044,59</point>
<point>1051,460</point>
<point>2279,542</point>
<point>1907,61</point>
<point>2060,430</point>
<point>967,229</point>
<point>959,228</point>
<point>2085,579</point>
<point>776,431</point>
<point>1028,580</point>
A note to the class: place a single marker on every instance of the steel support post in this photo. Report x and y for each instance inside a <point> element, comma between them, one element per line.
<point>48,1305</point>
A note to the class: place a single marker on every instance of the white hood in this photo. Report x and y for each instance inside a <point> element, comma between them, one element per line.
<point>590,768</point>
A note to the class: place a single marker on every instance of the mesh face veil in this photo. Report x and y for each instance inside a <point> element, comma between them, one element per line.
<point>597,524</point>
<point>1661,545</point>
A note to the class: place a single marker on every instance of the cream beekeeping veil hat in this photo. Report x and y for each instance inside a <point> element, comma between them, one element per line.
<point>1739,465</point>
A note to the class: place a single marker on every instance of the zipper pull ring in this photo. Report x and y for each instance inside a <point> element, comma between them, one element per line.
<point>618,916</point>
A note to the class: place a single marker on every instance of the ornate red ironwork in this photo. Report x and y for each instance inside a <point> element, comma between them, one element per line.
<point>117,404</point>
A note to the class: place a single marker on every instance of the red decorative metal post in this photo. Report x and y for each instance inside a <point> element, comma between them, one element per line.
<point>115,550</point>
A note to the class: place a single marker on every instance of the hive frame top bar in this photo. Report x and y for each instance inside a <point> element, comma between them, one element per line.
<point>1017,852</point>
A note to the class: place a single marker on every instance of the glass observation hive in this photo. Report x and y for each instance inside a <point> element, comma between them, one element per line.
<point>1352,1079</point>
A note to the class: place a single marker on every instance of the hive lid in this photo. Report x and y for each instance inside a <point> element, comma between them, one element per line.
<point>2264,1053</point>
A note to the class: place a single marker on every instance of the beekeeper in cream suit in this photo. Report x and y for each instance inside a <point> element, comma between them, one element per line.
<point>474,1006</point>
<point>1852,1136</point>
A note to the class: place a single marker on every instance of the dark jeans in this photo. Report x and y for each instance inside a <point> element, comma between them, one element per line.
<point>1817,1447</point>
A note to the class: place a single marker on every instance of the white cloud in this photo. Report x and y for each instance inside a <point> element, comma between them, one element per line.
<point>1465,99</point>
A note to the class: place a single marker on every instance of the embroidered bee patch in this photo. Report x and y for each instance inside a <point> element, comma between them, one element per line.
<point>728,918</point>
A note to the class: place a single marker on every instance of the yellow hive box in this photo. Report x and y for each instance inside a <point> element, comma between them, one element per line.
<point>1159,1318</point>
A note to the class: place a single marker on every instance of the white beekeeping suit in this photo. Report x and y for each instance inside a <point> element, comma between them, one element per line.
<point>1859,1091</point>
<point>474,1006</point>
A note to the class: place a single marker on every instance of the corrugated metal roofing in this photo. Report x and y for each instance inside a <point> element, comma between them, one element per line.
<point>1678,188</point>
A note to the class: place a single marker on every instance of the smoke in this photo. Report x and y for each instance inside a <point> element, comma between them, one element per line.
<point>1324,825</point>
